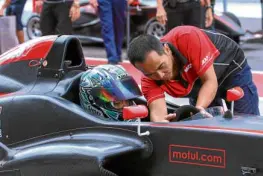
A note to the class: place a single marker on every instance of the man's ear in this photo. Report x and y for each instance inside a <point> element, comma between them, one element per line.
<point>166,48</point>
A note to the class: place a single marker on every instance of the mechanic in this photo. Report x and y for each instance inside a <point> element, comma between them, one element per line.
<point>112,19</point>
<point>15,8</point>
<point>57,16</point>
<point>173,13</point>
<point>106,89</point>
<point>191,62</point>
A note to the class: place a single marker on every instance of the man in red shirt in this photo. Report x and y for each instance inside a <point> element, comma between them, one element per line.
<point>194,63</point>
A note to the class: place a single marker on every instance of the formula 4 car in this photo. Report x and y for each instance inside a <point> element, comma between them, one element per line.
<point>44,131</point>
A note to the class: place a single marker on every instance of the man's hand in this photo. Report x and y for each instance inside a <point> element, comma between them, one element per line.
<point>161,15</point>
<point>94,3</point>
<point>204,112</point>
<point>202,2</point>
<point>1,12</point>
<point>170,117</point>
<point>38,6</point>
<point>208,17</point>
<point>74,12</point>
<point>130,1</point>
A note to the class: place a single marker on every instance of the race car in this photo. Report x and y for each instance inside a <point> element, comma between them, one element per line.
<point>44,130</point>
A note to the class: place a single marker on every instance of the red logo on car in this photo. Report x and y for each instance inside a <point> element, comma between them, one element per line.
<point>209,157</point>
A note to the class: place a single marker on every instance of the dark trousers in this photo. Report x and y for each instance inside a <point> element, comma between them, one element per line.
<point>112,16</point>
<point>249,104</point>
<point>55,19</point>
<point>16,9</point>
<point>188,13</point>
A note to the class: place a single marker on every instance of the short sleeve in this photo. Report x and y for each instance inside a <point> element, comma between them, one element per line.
<point>151,90</point>
<point>198,49</point>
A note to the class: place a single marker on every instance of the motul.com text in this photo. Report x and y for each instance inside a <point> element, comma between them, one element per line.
<point>196,156</point>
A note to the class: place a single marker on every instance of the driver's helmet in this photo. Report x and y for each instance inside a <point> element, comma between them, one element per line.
<point>106,89</point>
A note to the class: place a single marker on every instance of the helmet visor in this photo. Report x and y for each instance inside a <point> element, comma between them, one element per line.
<point>124,89</point>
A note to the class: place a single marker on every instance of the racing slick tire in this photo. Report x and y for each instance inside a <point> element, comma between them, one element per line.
<point>33,27</point>
<point>233,17</point>
<point>155,28</point>
<point>237,21</point>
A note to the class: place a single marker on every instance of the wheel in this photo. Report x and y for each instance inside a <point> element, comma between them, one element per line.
<point>236,39</point>
<point>153,27</point>
<point>237,21</point>
<point>233,17</point>
<point>33,27</point>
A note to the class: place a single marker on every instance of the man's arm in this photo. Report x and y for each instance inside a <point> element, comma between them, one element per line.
<point>94,3</point>
<point>74,12</point>
<point>208,90</point>
<point>208,13</point>
<point>158,111</point>
<point>161,15</point>
<point>4,6</point>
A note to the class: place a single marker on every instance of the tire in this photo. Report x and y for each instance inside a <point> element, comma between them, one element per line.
<point>233,17</point>
<point>237,21</point>
<point>33,27</point>
<point>153,27</point>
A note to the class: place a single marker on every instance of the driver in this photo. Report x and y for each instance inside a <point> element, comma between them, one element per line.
<point>106,89</point>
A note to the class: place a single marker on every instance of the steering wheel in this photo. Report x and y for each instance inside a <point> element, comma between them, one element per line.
<point>184,112</point>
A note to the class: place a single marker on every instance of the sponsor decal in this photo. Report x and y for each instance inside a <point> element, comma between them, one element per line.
<point>246,171</point>
<point>187,67</point>
<point>205,59</point>
<point>192,155</point>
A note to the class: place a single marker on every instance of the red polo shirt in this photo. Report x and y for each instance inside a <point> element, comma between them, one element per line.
<point>200,52</point>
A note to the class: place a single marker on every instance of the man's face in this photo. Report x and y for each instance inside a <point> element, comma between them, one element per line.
<point>157,67</point>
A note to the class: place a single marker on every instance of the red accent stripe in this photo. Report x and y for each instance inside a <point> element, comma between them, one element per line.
<point>4,94</point>
<point>205,127</point>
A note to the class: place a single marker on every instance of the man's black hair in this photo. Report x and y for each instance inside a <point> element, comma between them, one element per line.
<point>142,45</point>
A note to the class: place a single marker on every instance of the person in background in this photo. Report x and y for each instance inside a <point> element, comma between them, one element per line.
<point>56,16</point>
<point>195,63</point>
<point>212,27</point>
<point>173,13</point>
<point>112,17</point>
<point>15,8</point>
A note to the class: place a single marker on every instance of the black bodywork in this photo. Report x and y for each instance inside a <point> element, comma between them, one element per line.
<point>44,131</point>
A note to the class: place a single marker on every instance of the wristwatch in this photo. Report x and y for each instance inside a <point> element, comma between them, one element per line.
<point>208,7</point>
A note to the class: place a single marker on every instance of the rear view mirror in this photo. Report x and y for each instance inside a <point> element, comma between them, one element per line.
<point>234,94</point>
<point>136,112</point>
<point>133,112</point>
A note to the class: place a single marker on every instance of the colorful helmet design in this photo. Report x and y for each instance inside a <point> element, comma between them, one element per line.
<point>103,85</point>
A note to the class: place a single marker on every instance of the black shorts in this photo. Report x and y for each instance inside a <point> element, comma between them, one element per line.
<point>188,13</point>
<point>16,10</point>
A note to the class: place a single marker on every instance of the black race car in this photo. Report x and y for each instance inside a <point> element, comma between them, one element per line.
<point>44,131</point>
<point>142,20</point>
